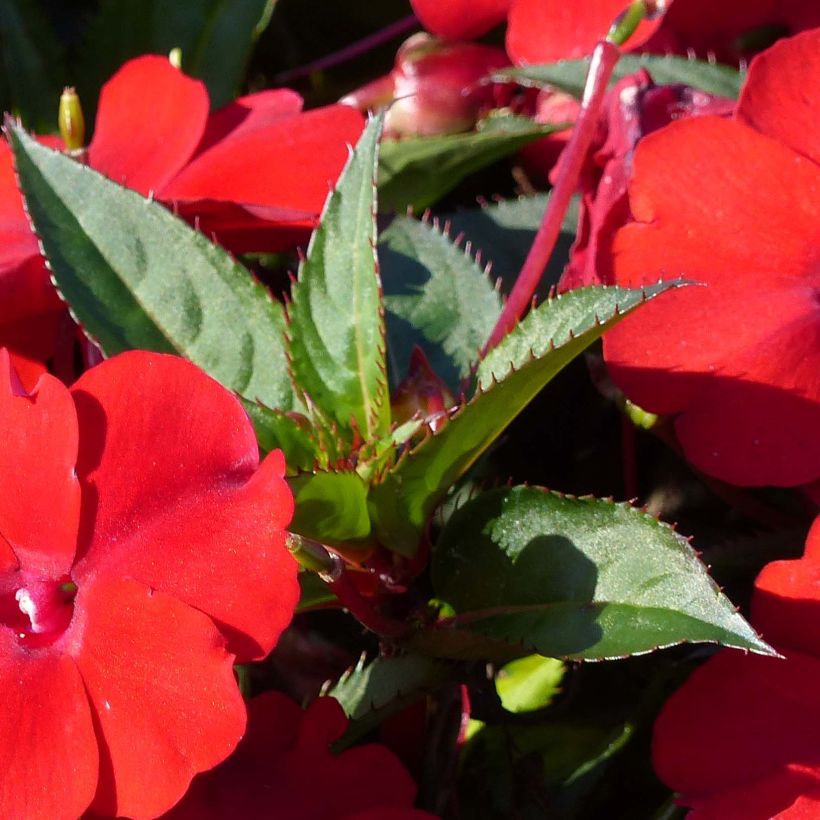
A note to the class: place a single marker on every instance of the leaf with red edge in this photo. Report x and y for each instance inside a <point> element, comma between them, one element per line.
<point>579,578</point>
<point>136,276</point>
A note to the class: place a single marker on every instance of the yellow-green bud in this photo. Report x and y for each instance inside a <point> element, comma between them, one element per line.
<point>71,121</point>
<point>175,57</point>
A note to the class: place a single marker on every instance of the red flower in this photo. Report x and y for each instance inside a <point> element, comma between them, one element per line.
<point>741,739</point>
<point>283,768</point>
<point>142,549</point>
<point>254,175</point>
<point>732,204</point>
<point>633,108</point>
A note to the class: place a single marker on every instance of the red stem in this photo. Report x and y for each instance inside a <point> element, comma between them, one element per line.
<point>350,52</point>
<point>604,58</point>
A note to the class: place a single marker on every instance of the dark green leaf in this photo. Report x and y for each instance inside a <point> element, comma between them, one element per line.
<point>503,233</point>
<point>369,693</point>
<point>313,592</point>
<point>290,433</point>
<point>336,327</point>
<point>570,75</point>
<point>437,297</point>
<point>579,578</point>
<point>417,171</point>
<point>33,74</point>
<point>545,341</point>
<point>331,508</point>
<point>136,276</point>
<point>215,38</point>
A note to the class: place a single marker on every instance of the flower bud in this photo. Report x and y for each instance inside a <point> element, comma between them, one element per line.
<point>421,393</point>
<point>71,121</point>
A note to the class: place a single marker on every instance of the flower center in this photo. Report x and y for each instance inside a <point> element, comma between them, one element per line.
<point>37,609</point>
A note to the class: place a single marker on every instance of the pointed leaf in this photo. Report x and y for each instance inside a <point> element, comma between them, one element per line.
<point>331,508</point>
<point>570,75</point>
<point>579,578</point>
<point>527,359</point>
<point>370,693</point>
<point>437,297</point>
<point>136,276</point>
<point>313,592</point>
<point>503,233</point>
<point>417,171</point>
<point>290,433</point>
<point>336,328</point>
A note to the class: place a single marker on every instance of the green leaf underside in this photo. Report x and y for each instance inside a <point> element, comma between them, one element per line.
<point>336,326</point>
<point>215,38</point>
<point>579,578</point>
<point>331,508</point>
<point>418,171</point>
<point>570,75</point>
<point>543,343</point>
<point>136,276</point>
<point>436,296</point>
<point>503,233</point>
<point>372,692</point>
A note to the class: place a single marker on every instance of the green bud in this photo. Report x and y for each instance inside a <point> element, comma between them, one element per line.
<point>71,121</point>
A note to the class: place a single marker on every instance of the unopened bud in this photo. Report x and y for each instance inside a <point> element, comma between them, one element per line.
<point>422,393</point>
<point>71,121</point>
<point>175,57</point>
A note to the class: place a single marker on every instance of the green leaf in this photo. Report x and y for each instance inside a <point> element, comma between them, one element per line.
<point>291,433</point>
<point>436,296</point>
<point>503,233</point>
<point>417,171</point>
<point>570,75</point>
<point>579,578</point>
<point>33,73</point>
<point>136,276</point>
<point>526,360</point>
<point>215,37</point>
<point>331,508</point>
<point>336,328</point>
<point>529,683</point>
<point>369,693</point>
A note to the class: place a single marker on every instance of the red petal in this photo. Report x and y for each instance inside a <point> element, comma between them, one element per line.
<point>17,242</point>
<point>163,690</point>
<point>150,120</point>
<point>40,502</point>
<point>48,750</point>
<point>290,164</point>
<point>542,31</point>
<point>738,719</point>
<point>460,19</point>
<point>174,499</point>
<point>249,113</point>
<point>781,96</point>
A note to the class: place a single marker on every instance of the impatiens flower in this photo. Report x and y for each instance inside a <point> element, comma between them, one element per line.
<point>283,768</point>
<point>732,204</point>
<point>543,31</point>
<point>741,739</point>
<point>634,108</point>
<point>141,552</point>
<point>253,175</point>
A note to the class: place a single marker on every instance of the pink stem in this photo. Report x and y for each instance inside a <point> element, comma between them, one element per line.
<point>604,58</point>
<point>362,46</point>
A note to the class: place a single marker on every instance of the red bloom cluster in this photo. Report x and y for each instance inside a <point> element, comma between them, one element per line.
<point>136,563</point>
<point>283,768</point>
<point>732,204</point>
<point>741,739</point>
<point>254,175</point>
<point>542,31</point>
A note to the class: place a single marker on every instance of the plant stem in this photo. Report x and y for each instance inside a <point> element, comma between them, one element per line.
<point>350,52</point>
<point>604,58</point>
<point>364,611</point>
